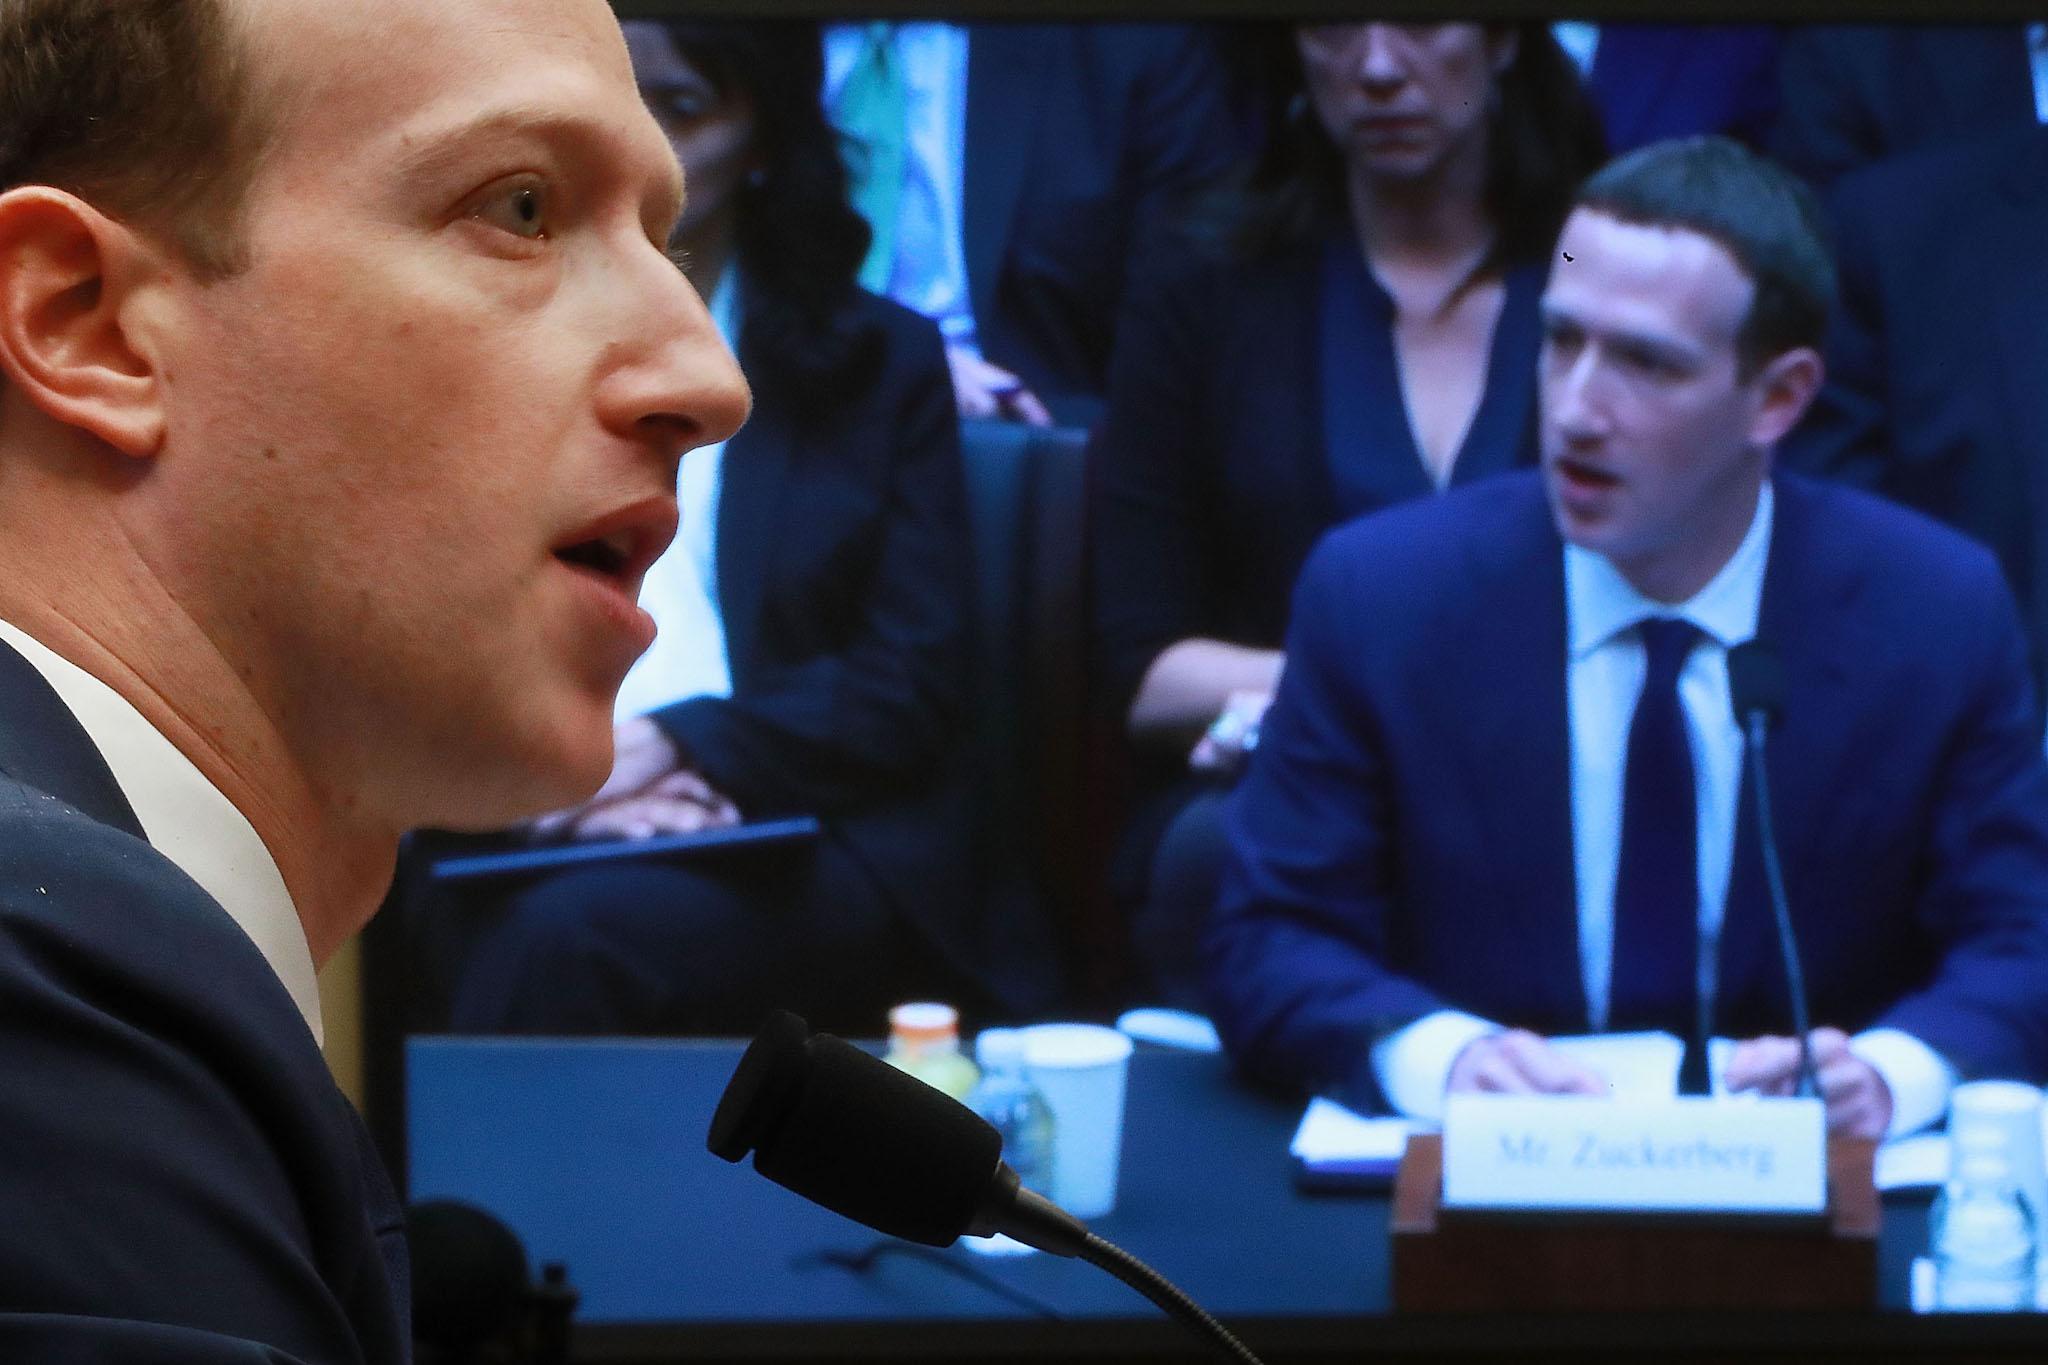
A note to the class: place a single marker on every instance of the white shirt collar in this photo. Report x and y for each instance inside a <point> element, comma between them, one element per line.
<point>1600,603</point>
<point>187,820</point>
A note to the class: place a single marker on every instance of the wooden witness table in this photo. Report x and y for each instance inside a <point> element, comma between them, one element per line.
<point>594,1152</point>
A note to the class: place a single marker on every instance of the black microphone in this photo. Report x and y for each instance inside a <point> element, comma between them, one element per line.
<point>846,1130</point>
<point>1756,689</point>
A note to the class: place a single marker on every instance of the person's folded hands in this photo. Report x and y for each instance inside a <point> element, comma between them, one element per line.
<point>1518,1062</point>
<point>983,390</point>
<point>681,802</point>
<point>642,754</point>
<point>1859,1103</point>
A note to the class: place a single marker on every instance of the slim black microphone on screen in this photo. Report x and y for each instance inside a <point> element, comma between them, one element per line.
<point>1756,689</point>
<point>846,1130</point>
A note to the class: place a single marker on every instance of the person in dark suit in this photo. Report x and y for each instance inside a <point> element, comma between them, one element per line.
<point>823,563</point>
<point>1020,177</point>
<point>1852,95</point>
<point>1357,327</point>
<point>1497,796</point>
<point>1935,393</point>
<point>1658,81</point>
<point>335,432</point>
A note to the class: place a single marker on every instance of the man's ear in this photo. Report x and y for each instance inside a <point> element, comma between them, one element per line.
<point>68,277</point>
<point>1784,388</point>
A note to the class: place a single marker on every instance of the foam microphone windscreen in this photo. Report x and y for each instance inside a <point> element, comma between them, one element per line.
<point>846,1130</point>
<point>469,1278</point>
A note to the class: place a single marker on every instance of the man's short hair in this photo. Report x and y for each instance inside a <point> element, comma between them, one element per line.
<point>143,108</point>
<point>1764,215</point>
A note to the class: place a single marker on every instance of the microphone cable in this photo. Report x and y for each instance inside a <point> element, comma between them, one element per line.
<point>1781,910</point>
<point>1162,1292</point>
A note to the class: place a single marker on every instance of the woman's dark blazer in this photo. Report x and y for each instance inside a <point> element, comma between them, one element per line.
<point>1211,478</point>
<point>843,585</point>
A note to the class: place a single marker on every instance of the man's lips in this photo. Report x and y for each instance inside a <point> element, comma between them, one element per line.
<point>620,546</point>
<point>1580,474</point>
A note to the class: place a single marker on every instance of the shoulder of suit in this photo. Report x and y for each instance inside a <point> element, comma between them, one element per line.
<point>1500,524</point>
<point>1908,552</point>
<point>70,885</point>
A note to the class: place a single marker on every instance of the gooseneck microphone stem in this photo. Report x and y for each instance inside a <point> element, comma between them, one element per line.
<point>1757,723</point>
<point>1154,1286</point>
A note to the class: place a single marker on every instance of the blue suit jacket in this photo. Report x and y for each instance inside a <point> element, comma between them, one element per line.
<point>1855,94</point>
<point>1657,81</point>
<point>1936,362</point>
<point>1402,842</point>
<point>180,1177</point>
<point>1081,141</point>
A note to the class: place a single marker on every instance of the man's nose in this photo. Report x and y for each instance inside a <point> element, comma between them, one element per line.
<point>1571,398</point>
<point>684,384</point>
<point>1379,58</point>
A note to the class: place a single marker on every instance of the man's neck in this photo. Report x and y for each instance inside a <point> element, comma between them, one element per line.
<point>335,869</point>
<point>1679,575</point>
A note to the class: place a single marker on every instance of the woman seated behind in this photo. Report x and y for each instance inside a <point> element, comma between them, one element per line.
<point>1358,326</point>
<point>813,614</point>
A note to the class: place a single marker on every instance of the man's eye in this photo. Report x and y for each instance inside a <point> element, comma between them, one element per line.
<point>519,209</point>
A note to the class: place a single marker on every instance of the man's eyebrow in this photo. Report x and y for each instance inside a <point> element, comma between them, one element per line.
<point>442,151</point>
<point>1554,316</point>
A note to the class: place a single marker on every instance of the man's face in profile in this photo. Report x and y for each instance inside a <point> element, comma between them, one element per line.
<point>1649,430</point>
<point>427,440</point>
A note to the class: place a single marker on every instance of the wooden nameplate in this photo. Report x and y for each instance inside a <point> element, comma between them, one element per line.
<point>1454,1261</point>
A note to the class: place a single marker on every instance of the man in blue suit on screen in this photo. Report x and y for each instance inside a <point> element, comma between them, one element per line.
<point>1500,796</point>
<point>343,381</point>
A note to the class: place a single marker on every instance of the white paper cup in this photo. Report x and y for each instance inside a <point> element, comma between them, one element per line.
<point>2014,1108</point>
<point>1081,1070</point>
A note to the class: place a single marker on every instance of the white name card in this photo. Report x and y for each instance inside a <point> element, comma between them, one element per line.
<point>1696,1154</point>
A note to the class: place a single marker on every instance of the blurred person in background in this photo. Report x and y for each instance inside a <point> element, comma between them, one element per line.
<point>813,648</point>
<point>1856,94</point>
<point>1018,177</point>
<point>1357,326</point>
<point>1937,392</point>
<point>1657,81</point>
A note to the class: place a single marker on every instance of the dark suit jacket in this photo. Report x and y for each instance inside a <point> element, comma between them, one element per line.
<point>1853,94</point>
<point>1403,840</point>
<point>181,1178</point>
<point>843,584</point>
<point>1081,139</point>
<point>1657,81</point>
<point>1937,390</point>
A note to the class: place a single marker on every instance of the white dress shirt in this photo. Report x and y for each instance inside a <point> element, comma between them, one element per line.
<point>1603,677</point>
<point>929,274</point>
<point>688,657</point>
<point>1580,40</point>
<point>187,820</point>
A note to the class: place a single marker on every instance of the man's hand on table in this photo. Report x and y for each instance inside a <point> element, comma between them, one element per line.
<point>1859,1103</point>
<point>1518,1062</point>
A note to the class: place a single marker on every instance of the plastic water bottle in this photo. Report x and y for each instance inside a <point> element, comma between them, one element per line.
<point>1983,1231</point>
<point>1011,1104</point>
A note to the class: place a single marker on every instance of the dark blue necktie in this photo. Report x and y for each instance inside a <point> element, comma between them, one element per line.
<point>1656,888</point>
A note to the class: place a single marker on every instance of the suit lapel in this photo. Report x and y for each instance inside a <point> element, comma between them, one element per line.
<point>753,481</point>
<point>42,745</point>
<point>1807,615</point>
<point>1004,88</point>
